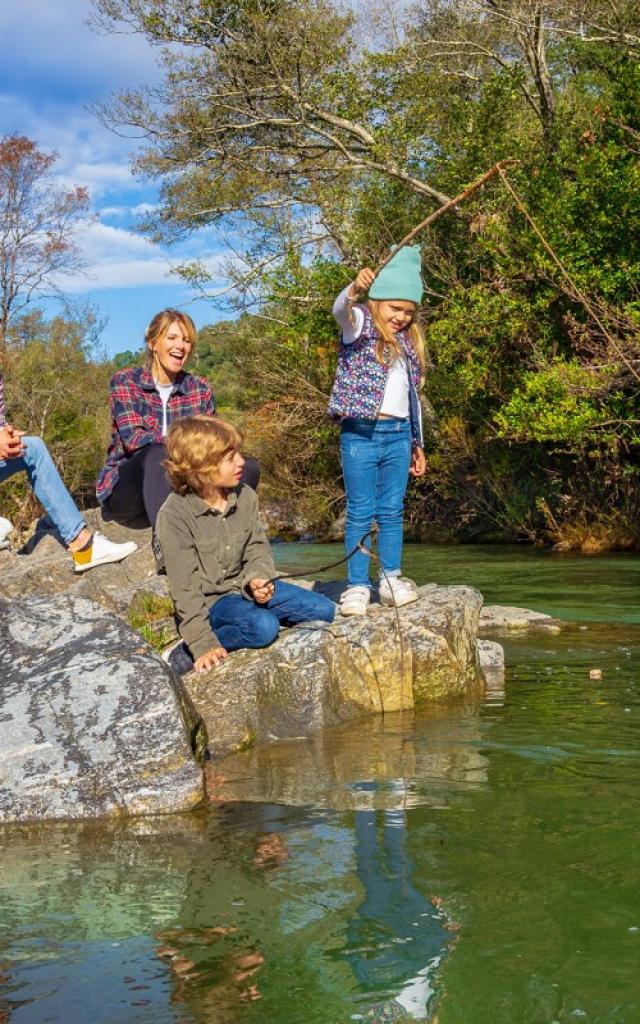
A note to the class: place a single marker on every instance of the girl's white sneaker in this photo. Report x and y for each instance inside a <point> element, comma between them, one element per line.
<point>355,601</point>
<point>397,591</point>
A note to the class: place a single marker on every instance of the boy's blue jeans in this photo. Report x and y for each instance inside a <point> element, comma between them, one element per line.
<point>376,456</point>
<point>47,487</point>
<point>239,623</point>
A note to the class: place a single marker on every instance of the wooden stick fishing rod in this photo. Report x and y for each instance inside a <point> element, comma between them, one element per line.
<point>468,191</point>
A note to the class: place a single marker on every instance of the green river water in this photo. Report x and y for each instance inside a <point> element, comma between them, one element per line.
<point>478,862</point>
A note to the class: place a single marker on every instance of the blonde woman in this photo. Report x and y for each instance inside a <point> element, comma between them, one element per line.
<point>145,401</point>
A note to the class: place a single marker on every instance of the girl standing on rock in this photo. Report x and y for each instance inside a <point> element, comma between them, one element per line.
<point>375,396</point>
<point>145,400</point>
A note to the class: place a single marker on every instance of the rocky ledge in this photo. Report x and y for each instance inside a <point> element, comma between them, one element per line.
<point>317,675</point>
<point>94,723</point>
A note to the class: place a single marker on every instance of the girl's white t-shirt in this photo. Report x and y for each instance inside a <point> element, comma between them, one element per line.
<point>395,401</point>
<point>164,390</point>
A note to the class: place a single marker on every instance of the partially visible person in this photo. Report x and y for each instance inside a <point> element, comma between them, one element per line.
<point>145,401</point>
<point>21,453</point>
<point>216,555</point>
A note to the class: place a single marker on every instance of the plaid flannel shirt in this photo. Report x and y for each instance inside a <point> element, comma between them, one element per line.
<point>136,416</point>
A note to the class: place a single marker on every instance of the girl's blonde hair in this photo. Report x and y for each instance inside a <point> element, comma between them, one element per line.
<point>159,326</point>
<point>388,347</point>
<point>196,445</point>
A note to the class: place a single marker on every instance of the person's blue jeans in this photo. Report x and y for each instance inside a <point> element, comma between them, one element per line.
<point>47,487</point>
<point>239,623</point>
<point>376,456</point>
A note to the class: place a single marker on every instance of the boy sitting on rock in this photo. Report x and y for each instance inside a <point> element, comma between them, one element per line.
<point>216,555</point>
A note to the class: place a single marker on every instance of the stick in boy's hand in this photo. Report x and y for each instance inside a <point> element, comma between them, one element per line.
<point>210,659</point>
<point>262,590</point>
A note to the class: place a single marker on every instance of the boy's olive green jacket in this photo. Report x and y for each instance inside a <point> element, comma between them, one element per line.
<point>208,554</point>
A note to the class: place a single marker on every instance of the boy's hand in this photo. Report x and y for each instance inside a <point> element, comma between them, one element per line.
<point>11,446</point>
<point>362,283</point>
<point>261,590</point>
<point>418,465</point>
<point>210,659</point>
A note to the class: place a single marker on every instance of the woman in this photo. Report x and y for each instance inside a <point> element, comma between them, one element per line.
<point>145,401</point>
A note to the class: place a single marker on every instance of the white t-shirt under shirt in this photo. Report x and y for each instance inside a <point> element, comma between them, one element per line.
<point>395,401</point>
<point>164,390</point>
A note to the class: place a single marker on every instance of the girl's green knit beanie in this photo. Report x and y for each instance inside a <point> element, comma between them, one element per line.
<point>400,279</point>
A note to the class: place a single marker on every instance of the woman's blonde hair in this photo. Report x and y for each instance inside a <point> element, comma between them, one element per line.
<point>159,326</point>
<point>196,445</point>
<point>388,347</point>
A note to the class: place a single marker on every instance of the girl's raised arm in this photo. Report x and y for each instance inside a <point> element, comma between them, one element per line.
<point>350,318</point>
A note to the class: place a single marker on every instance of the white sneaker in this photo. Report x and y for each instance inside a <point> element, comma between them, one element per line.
<point>355,601</point>
<point>5,529</point>
<point>101,551</point>
<point>397,591</point>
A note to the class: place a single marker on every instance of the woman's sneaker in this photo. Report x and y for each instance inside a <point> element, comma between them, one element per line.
<point>5,529</point>
<point>397,591</point>
<point>355,601</point>
<point>100,551</point>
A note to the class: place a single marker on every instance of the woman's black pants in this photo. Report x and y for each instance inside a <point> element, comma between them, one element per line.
<point>143,487</point>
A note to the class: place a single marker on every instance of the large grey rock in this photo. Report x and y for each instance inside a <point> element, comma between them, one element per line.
<point>92,722</point>
<point>318,675</point>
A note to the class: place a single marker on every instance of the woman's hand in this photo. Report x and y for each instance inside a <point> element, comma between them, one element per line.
<point>210,659</point>
<point>11,446</point>
<point>261,590</point>
<point>418,462</point>
<point>362,283</point>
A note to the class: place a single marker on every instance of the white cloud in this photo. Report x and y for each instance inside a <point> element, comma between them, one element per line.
<point>117,258</point>
<point>143,208</point>
<point>52,39</point>
<point>113,211</point>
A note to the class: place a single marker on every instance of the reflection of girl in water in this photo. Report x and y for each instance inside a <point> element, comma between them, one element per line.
<point>398,937</point>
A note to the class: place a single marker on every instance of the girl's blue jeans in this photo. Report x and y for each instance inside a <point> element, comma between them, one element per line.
<point>47,487</point>
<point>376,456</point>
<point>239,623</point>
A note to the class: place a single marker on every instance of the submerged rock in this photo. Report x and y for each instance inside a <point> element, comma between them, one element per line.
<point>92,722</point>
<point>317,675</point>
<point>498,618</point>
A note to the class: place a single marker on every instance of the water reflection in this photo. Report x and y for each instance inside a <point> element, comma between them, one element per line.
<point>211,917</point>
<point>415,759</point>
<point>397,938</point>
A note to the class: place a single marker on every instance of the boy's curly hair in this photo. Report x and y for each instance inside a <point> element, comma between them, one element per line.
<point>196,446</point>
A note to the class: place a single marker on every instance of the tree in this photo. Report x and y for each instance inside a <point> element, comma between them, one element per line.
<point>37,227</point>
<point>276,119</point>
<point>269,112</point>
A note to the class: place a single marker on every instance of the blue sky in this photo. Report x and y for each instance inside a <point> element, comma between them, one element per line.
<point>53,68</point>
